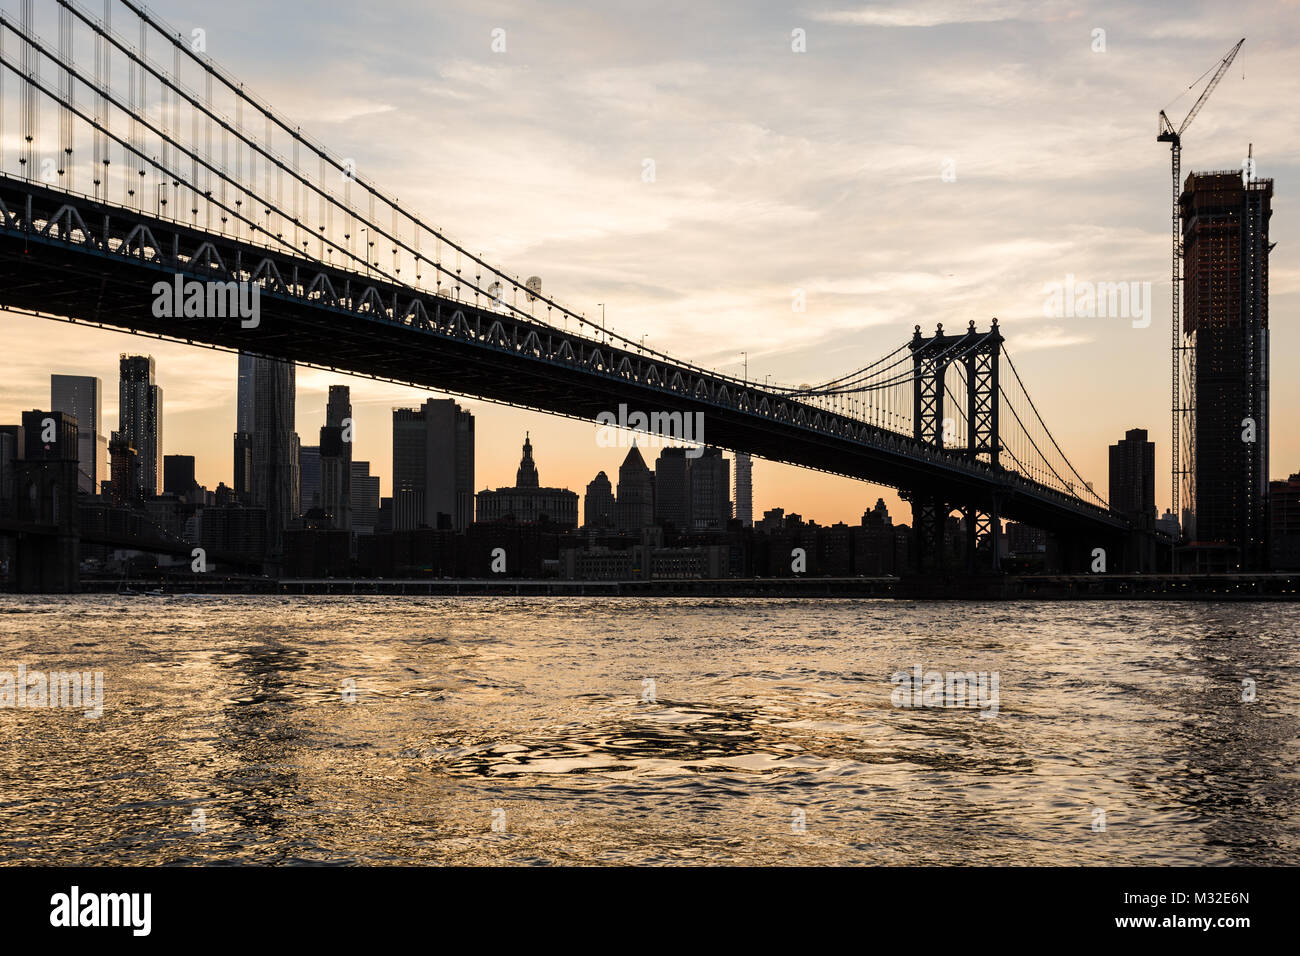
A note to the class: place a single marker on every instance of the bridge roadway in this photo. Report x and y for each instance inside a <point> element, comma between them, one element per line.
<point>71,257</point>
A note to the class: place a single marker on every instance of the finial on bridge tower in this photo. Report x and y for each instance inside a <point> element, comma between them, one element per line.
<point>938,329</point>
<point>972,325</point>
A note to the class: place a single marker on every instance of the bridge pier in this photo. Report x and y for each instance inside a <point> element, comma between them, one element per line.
<point>929,520</point>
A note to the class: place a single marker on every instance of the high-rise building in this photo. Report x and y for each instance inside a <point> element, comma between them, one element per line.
<point>244,407</point>
<point>139,416</point>
<point>275,449</point>
<point>634,507</point>
<point>673,489</point>
<point>336,458</point>
<point>124,488</point>
<point>335,478</point>
<point>598,503</point>
<point>1133,477</point>
<point>82,396</point>
<point>710,491</point>
<point>745,489</point>
<point>365,498</point>
<point>1225,223</point>
<point>244,416</point>
<point>178,475</point>
<point>528,502</point>
<point>308,478</point>
<point>433,466</point>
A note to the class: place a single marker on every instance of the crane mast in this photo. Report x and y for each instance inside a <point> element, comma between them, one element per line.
<point>1183,384</point>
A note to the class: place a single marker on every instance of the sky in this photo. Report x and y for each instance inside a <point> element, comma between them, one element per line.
<point>891,164</point>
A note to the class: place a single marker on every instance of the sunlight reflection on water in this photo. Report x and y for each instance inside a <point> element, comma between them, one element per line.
<point>762,712</point>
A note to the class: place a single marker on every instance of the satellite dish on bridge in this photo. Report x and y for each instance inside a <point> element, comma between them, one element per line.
<point>534,286</point>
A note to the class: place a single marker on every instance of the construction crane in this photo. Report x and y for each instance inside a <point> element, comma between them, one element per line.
<point>1180,352</point>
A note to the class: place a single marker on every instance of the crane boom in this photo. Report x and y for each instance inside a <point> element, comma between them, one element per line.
<point>1209,87</point>
<point>1182,406</point>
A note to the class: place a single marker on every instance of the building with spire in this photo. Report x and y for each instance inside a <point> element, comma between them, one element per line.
<point>598,505</point>
<point>635,505</point>
<point>527,502</point>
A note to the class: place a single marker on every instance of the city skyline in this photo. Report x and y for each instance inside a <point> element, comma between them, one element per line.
<point>1007,169</point>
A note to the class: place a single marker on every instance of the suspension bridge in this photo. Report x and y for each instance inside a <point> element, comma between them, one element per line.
<point>128,157</point>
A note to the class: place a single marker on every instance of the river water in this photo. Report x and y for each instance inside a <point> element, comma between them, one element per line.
<point>615,730</point>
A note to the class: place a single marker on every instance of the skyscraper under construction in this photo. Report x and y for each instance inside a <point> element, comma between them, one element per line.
<point>1225,219</point>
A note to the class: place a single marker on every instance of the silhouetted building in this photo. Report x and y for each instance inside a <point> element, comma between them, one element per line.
<point>673,489</point>
<point>634,508</point>
<point>245,401</point>
<point>139,416</point>
<point>1133,477</point>
<point>365,498</point>
<point>275,448</point>
<point>335,478</point>
<point>309,496</point>
<point>744,496</point>
<point>710,476</point>
<point>598,503</point>
<point>82,397</point>
<point>178,475</point>
<point>1284,508</point>
<point>1225,225</point>
<point>336,458</point>
<point>124,489</point>
<point>242,482</point>
<point>527,502</point>
<point>433,466</point>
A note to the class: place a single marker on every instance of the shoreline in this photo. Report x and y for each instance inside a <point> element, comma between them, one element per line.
<point>1055,587</point>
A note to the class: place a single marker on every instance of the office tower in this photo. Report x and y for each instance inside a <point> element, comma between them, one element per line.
<point>1133,477</point>
<point>336,458</point>
<point>178,475</point>
<point>598,504</point>
<point>335,478</point>
<point>745,489</point>
<point>433,466</point>
<point>139,417</point>
<point>275,474</point>
<point>634,507</point>
<point>673,489</point>
<point>1225,225</point>
<point>365,498</point>
<point>527,502</point>
<point>244,407</point>
<point>710,491</point>
<point>309,478</point>
<point>244,414</point>
<point>81,396</point>
<point>124,487</point>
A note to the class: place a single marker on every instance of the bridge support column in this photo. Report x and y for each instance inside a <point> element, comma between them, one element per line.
<point>929,516</point>
<point>983,539</point>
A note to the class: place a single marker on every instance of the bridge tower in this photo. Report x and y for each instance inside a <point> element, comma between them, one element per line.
<point>977,353</point>
<point>48,546</point>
